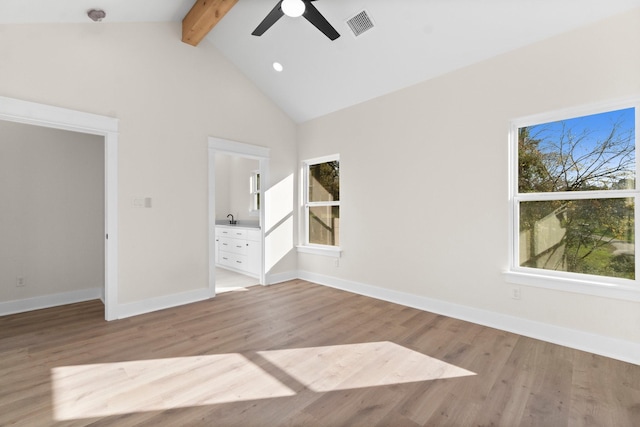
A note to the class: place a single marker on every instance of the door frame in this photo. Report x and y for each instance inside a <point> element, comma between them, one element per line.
<point>16,110</point>
<point>240,149</point>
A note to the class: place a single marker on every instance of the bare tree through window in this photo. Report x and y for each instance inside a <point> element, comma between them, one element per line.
<point>574,175</point>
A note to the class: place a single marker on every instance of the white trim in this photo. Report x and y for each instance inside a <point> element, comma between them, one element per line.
<point>322,159</point>
<point>274,278</point>
<point>48,301</point>
<point>162,303</point>
<point>615,348</point>
<point>262,154</point>
<point>240,148</point>
<point>16,110</point>
<point>576,195</point>
<point>585,286</point>
<point>211,225</point>
<point>330,251</point>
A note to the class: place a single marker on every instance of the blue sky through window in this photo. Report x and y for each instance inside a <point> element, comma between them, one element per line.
<point>575,145</point>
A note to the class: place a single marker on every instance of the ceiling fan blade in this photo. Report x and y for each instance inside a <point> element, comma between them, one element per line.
<point>275,14</point>
<point>315,17</point>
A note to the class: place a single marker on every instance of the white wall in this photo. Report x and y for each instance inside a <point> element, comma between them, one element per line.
<point>424,170</point>
<point>52,215</point>
<point>424,176</point>
<point>232,187</point>
<point>169,97</point>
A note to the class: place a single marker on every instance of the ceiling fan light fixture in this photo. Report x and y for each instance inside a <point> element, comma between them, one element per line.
<point>293,8</point>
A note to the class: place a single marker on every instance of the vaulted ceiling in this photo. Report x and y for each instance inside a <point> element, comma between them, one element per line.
<point>411,40</point>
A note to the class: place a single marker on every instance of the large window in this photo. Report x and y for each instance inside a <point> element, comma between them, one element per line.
<point>574,195</point>
<point>322,201</point>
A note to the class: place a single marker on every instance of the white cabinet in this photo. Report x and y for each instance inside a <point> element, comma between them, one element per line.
<point>238,248</point>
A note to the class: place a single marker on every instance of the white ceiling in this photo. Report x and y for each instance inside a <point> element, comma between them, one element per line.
<point>412,41</point>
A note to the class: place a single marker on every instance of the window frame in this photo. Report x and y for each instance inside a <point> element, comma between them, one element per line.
<point>605,286</point>
<point>254,193</point>
<point>306,246</point>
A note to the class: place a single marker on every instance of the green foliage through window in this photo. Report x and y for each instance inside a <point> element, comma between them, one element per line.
<point>324,181</point>
<point>322,202</point>
<point>573,180</point>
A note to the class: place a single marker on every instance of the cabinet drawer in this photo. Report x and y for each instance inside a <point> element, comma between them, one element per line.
<point>238,233</point>
<point>233,260</point>
<point>235,246</point>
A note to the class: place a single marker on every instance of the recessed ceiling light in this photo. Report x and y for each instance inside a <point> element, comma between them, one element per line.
<point>278,66</point>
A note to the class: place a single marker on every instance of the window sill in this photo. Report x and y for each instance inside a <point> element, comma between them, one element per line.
<point>329,251</point>
<point>587,287</point>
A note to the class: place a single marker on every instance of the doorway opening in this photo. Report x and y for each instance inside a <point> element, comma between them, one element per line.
<point>29,113</point>
<point>257,159</point>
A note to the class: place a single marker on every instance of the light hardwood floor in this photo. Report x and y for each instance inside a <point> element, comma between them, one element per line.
<point>297,354</point>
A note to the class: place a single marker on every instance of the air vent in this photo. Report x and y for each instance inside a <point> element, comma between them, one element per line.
<point>360,23</point>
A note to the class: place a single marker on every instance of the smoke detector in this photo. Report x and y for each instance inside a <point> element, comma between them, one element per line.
<point>96,15</point>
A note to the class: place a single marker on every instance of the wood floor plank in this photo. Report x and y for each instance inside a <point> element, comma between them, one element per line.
<point>298,354</point>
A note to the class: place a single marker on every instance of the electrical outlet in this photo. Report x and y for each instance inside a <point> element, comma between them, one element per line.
<point>516,293</point>
<point>20,282</point>
<point>336,262</point>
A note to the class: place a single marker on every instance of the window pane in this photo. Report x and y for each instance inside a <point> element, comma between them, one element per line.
<point>595,152</point>
<point>594,236</point>
<point>324,225</point>
<point>324,182</point>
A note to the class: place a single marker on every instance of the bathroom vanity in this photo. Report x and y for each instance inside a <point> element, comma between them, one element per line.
<point>238,248</point>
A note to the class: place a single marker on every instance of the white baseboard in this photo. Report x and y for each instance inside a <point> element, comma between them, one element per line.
<point>48,301</point>
<point>161,303</point>
<point>272,279</point>
<point>614,348</point>
<point>174,300</point>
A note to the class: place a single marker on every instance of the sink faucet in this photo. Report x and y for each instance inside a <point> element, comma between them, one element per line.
<point>232,220</point>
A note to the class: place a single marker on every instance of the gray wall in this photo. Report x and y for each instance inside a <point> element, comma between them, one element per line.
<point>232,186</point>
<point>52,211</point>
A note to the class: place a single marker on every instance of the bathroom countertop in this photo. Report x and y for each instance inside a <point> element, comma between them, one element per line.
<point>240,223</point>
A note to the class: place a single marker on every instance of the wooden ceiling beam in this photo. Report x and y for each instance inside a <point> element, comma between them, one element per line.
<point>203,16</point>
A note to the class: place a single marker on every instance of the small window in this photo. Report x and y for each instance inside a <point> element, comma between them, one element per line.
<point>254,190</point>
<point>574,196</point>
<point>322,201</point>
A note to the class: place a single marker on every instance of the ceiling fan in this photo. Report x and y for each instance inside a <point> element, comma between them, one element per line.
<point>294,9</point>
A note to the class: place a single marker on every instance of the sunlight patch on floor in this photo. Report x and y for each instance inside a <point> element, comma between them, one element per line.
<point>86,391</point>
<point>350,366</point>
<point>99,390</point>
